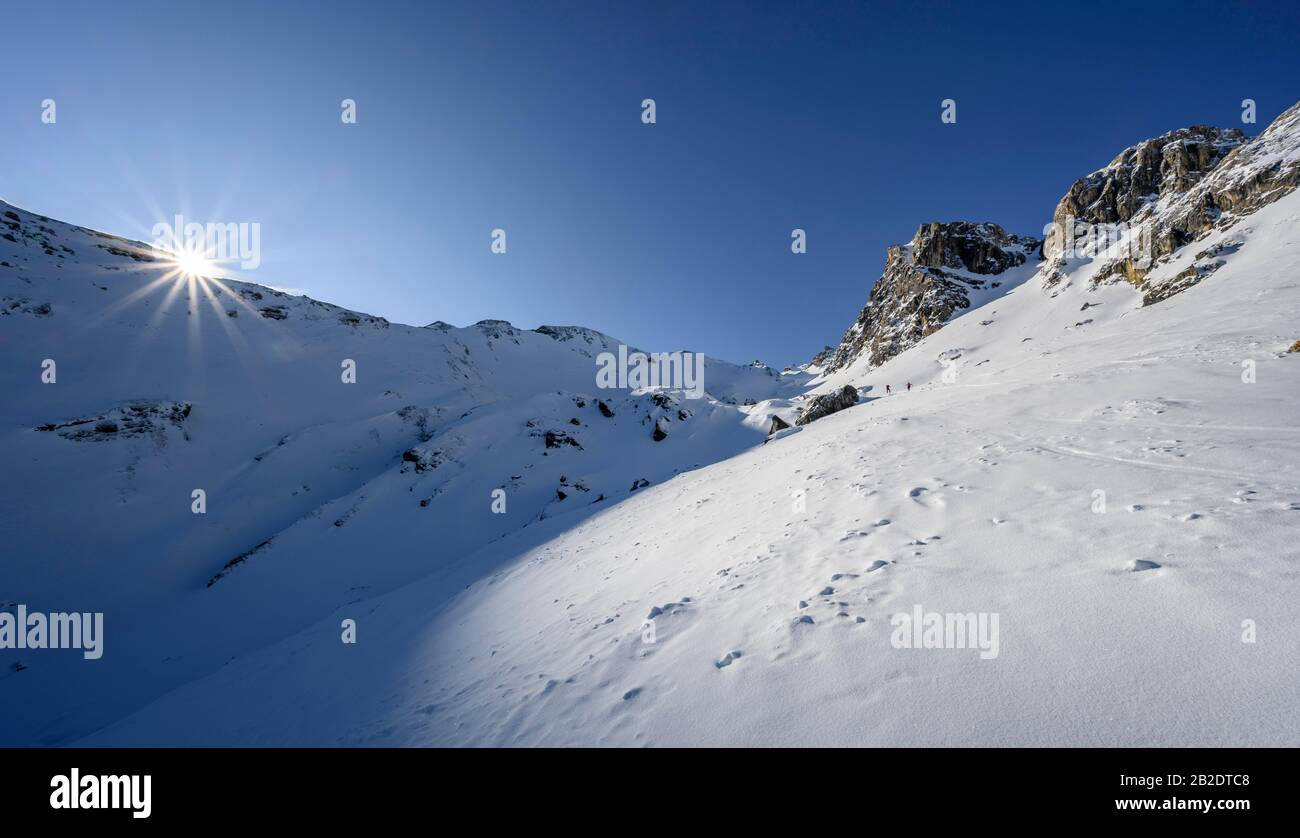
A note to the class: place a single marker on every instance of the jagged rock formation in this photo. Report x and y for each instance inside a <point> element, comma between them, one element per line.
<point>1168,164</point>
<point>1169,192</point>
<point>924,284</point>
<point>826,404</point>
<point>1133,216</point>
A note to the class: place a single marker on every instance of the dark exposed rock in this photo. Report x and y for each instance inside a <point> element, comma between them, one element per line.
<point>237,561</point>
<point>604,409</point>
<point>978,248</point>
<point>274,313</point>
<point>558,439</point>
<point>129,420</point>
<point>23,305</point>
<point>778,424</point>
<point>567,333</point>
<point>1170,163</point>
<point>423,459</point>
<point>924,285</point>
<point>498,330</point>
<point>826,404</point>
<point>660,432</point>
<point>1170,192</point>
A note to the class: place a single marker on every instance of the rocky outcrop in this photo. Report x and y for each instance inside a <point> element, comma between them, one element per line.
<point>826,404</point>
<point>138,418</point>
<point>925,283</point>
<point>1169,164</point>
<point>1164,194</point>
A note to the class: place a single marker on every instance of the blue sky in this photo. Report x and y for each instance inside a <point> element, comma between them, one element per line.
<point>526,117</point>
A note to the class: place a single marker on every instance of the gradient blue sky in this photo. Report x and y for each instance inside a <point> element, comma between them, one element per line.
<point>526,116</point>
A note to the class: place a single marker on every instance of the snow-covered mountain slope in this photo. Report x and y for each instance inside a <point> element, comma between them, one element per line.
<point>772,578</point>
<point>318,492</point>
<point>1117,484</point>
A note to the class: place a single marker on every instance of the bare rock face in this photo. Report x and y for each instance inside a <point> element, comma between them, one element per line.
<point>978,248</point>
<point>778,424</point>
<point>152,417</point>
<point>1169,164</point>
<point>925,283</point>
<point>826,404</point>
<point>1170,192</point>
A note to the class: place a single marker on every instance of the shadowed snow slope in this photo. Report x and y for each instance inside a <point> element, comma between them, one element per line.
<point>319,494</point>
<point>771,577</point>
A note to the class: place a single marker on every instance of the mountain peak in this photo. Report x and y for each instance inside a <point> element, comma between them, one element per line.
<point>1165,193</point>
<point>925,283</point>
<point>978,247</point>
<point>1172,163</point>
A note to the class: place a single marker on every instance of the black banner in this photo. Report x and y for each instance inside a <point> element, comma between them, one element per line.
<point>336,786</point>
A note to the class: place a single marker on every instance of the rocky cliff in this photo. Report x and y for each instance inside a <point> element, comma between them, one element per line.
<point>1169,192</point>
<point>925,283</point>
<point>1131,217</point>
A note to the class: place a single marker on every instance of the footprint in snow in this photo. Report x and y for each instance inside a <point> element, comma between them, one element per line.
<point>877,565</point>
<point>883,522</point>
<point>631,694</point>
<point>1192,516</point>
<point>827,591</point>
<point>835,577</point>
<point>727,659</point>
<point>805,619</point>
<point>1138,565</point>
